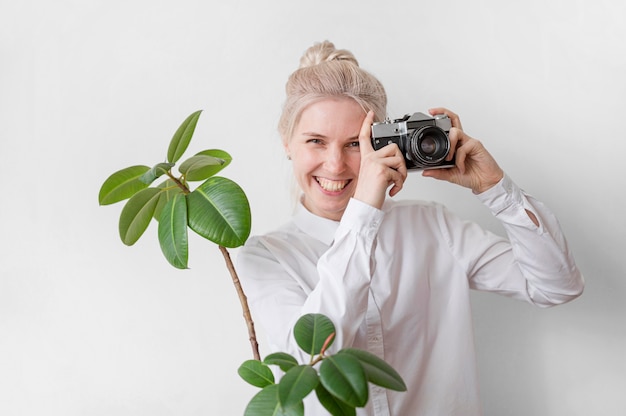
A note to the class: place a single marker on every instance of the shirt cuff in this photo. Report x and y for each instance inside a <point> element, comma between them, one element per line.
<point>362,218</point>
<point>508,203</point>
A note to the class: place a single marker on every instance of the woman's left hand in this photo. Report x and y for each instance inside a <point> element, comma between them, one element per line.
<point>474,168</point>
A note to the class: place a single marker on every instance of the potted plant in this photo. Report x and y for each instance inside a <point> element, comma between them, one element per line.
<point>218,210</point>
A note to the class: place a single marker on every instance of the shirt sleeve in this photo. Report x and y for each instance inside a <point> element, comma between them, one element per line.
<point>537,258</point>
<point>272,276</point>
<point>345,271</point>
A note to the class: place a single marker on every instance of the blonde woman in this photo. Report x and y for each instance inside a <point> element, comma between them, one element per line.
<point>394,276</point>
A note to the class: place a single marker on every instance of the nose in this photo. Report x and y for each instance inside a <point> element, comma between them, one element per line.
<point>335,159</point>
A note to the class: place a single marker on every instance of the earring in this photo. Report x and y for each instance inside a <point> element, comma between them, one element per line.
<point>288,157</point>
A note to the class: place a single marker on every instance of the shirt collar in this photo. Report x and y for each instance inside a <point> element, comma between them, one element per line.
<point>321,229</point>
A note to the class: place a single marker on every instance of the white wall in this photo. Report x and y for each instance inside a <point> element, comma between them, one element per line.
<point>89,326</point>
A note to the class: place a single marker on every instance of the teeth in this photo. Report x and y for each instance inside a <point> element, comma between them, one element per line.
<point>330,185</point>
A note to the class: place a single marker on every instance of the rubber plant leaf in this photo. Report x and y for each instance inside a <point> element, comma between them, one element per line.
<point>200,167</point>
<point>256,373</point>
<point>182,137</point>
<point>296,384</point>
<point>343,376</point>
<point>155,172</point>
<point>283,360</point>
<point>169,190</point>
<point>331,403</point>
<point>376,370</point>
<point>219,211</point>
<point>265,403</point>
<point>136,215</point>
<point>211,170</point>
<point>173,231</point>
<point>311,331</point>
<point>122,185</point>
<point>219,154</point>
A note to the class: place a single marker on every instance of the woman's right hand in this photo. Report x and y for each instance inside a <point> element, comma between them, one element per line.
<point>379,169</point>
<point>474,168</point>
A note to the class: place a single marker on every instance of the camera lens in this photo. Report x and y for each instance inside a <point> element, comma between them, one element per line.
<point>429,145</point>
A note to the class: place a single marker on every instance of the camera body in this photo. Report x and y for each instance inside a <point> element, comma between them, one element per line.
<point>422,139</point>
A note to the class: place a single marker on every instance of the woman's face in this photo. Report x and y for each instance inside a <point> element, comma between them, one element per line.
<point>324,150</point>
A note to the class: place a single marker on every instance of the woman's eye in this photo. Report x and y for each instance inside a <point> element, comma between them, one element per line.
<point>314,141</point>
<point>353,144</point>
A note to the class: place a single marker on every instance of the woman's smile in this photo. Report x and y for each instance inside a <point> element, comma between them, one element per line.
<point>331,185</point>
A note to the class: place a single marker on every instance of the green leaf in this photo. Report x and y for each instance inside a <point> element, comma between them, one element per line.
<point>182,137</point>
<point>169,190</point>
<point>211,170</point>
<point>157,170</point>
<point>256,373</point>
<point>343,376</point>
<point>265,403</point>
<point>136,215</point>
<point>218,154</point>
<point>311,331</point>
<point>296,384</point>
<point>173,232</point>
<point>122,185</point>
<point>282,360</point>
<point>219,211</point>
<point>201,167</point>
<point>331,403</point>
<point>377,370</point>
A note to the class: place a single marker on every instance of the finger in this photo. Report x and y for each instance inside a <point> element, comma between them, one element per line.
<point>400,174</point>
<point>454,136</point>
<point>389,150</point>
<point>395,189</point>
<point>402,170</point>
<point>398,182</point>
<point>365,135</point>
<point>440,174</point>
<point>466,147</point>
<point>392,157</point>
<point>460,160</point>
<point>462,151</point>
<point>454,118</point>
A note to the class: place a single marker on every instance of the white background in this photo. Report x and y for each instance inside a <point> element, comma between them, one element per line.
<point>89,326</point>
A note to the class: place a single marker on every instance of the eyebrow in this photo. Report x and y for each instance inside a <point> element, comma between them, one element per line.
<point>312,134</point>
<point>321,136</point>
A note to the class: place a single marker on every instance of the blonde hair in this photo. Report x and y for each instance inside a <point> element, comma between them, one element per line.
<point>327,72</point>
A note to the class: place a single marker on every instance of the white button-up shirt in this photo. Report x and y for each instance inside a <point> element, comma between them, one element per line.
<point>396,283</point>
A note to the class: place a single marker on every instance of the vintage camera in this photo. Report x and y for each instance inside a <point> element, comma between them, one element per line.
<point>422,139</point>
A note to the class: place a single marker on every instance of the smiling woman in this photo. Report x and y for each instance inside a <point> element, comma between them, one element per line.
<point>394,277</point>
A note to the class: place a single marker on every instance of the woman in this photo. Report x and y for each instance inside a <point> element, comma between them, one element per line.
<point>393,276</point>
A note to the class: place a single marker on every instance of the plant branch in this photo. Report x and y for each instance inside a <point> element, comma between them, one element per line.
<point>327,343</point>
<point>322,353</point>
<point>181,185</point>
<point>244,303</point>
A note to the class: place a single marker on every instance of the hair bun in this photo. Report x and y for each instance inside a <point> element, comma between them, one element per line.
<point>323,52</point>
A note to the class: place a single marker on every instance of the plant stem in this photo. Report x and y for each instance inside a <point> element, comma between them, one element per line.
<point>322,353</point>
<point>181,185</point>
<point>244,303</point>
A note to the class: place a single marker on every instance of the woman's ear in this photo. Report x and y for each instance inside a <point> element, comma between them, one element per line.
<point>287,149</point>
